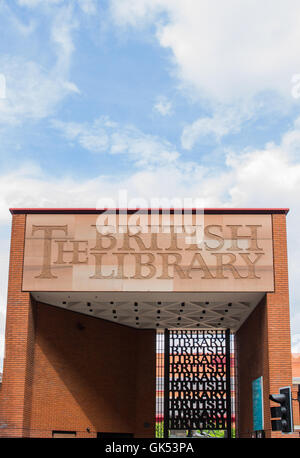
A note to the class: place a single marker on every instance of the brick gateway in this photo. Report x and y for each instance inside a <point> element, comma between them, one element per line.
<point>82,314</point>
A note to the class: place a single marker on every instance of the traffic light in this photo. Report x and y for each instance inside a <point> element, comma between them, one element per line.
<point>283,413</point>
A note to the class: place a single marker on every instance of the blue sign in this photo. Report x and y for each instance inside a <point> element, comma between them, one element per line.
<point>258,404</point>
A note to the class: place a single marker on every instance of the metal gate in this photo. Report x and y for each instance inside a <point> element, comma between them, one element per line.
<point>197,394</point>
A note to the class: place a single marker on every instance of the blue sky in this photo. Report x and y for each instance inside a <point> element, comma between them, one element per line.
<point>163,98</point>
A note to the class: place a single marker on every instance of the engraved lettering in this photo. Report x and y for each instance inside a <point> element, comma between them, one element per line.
<point>173,240</point>
<point>212,235</point>
<point>198,263</point>
<point>101,238</point>
<point>221,265</point>
<point>252,237</point>
<point>147,264</point>
<point>126,242</point>
<point>48,231</point>
<point>76,252</point>
<point>166,263</point>
<point>251,264</point>
<point>121,267</point>
<point>98,267</point>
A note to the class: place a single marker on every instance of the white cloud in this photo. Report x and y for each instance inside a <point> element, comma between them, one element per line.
<point>223,50</point>
<point>18,24</point>
<point>88,6</point>
<point>224,120</point>
<point>270,176</point>
<point>34,91</point>
<point>106,136</point>
<point>91,137</point>
<point>34,3</point>
<point>129,12</point>
<point>31,91</point>
<point>163,106</point>
<point>62,27</point>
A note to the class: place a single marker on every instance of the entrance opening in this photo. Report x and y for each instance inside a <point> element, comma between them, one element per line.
<point>197,386</point>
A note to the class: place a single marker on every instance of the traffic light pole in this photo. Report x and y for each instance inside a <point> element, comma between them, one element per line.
<point>282,415</point>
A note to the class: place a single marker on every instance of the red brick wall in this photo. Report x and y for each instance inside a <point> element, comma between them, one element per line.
<point>252,362</point>
<point>266,337</point>
<point>59,376</point>
<point>90,373</point>
<point>19,338</point>
<point>296,364</point>
<point>145,394</point>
